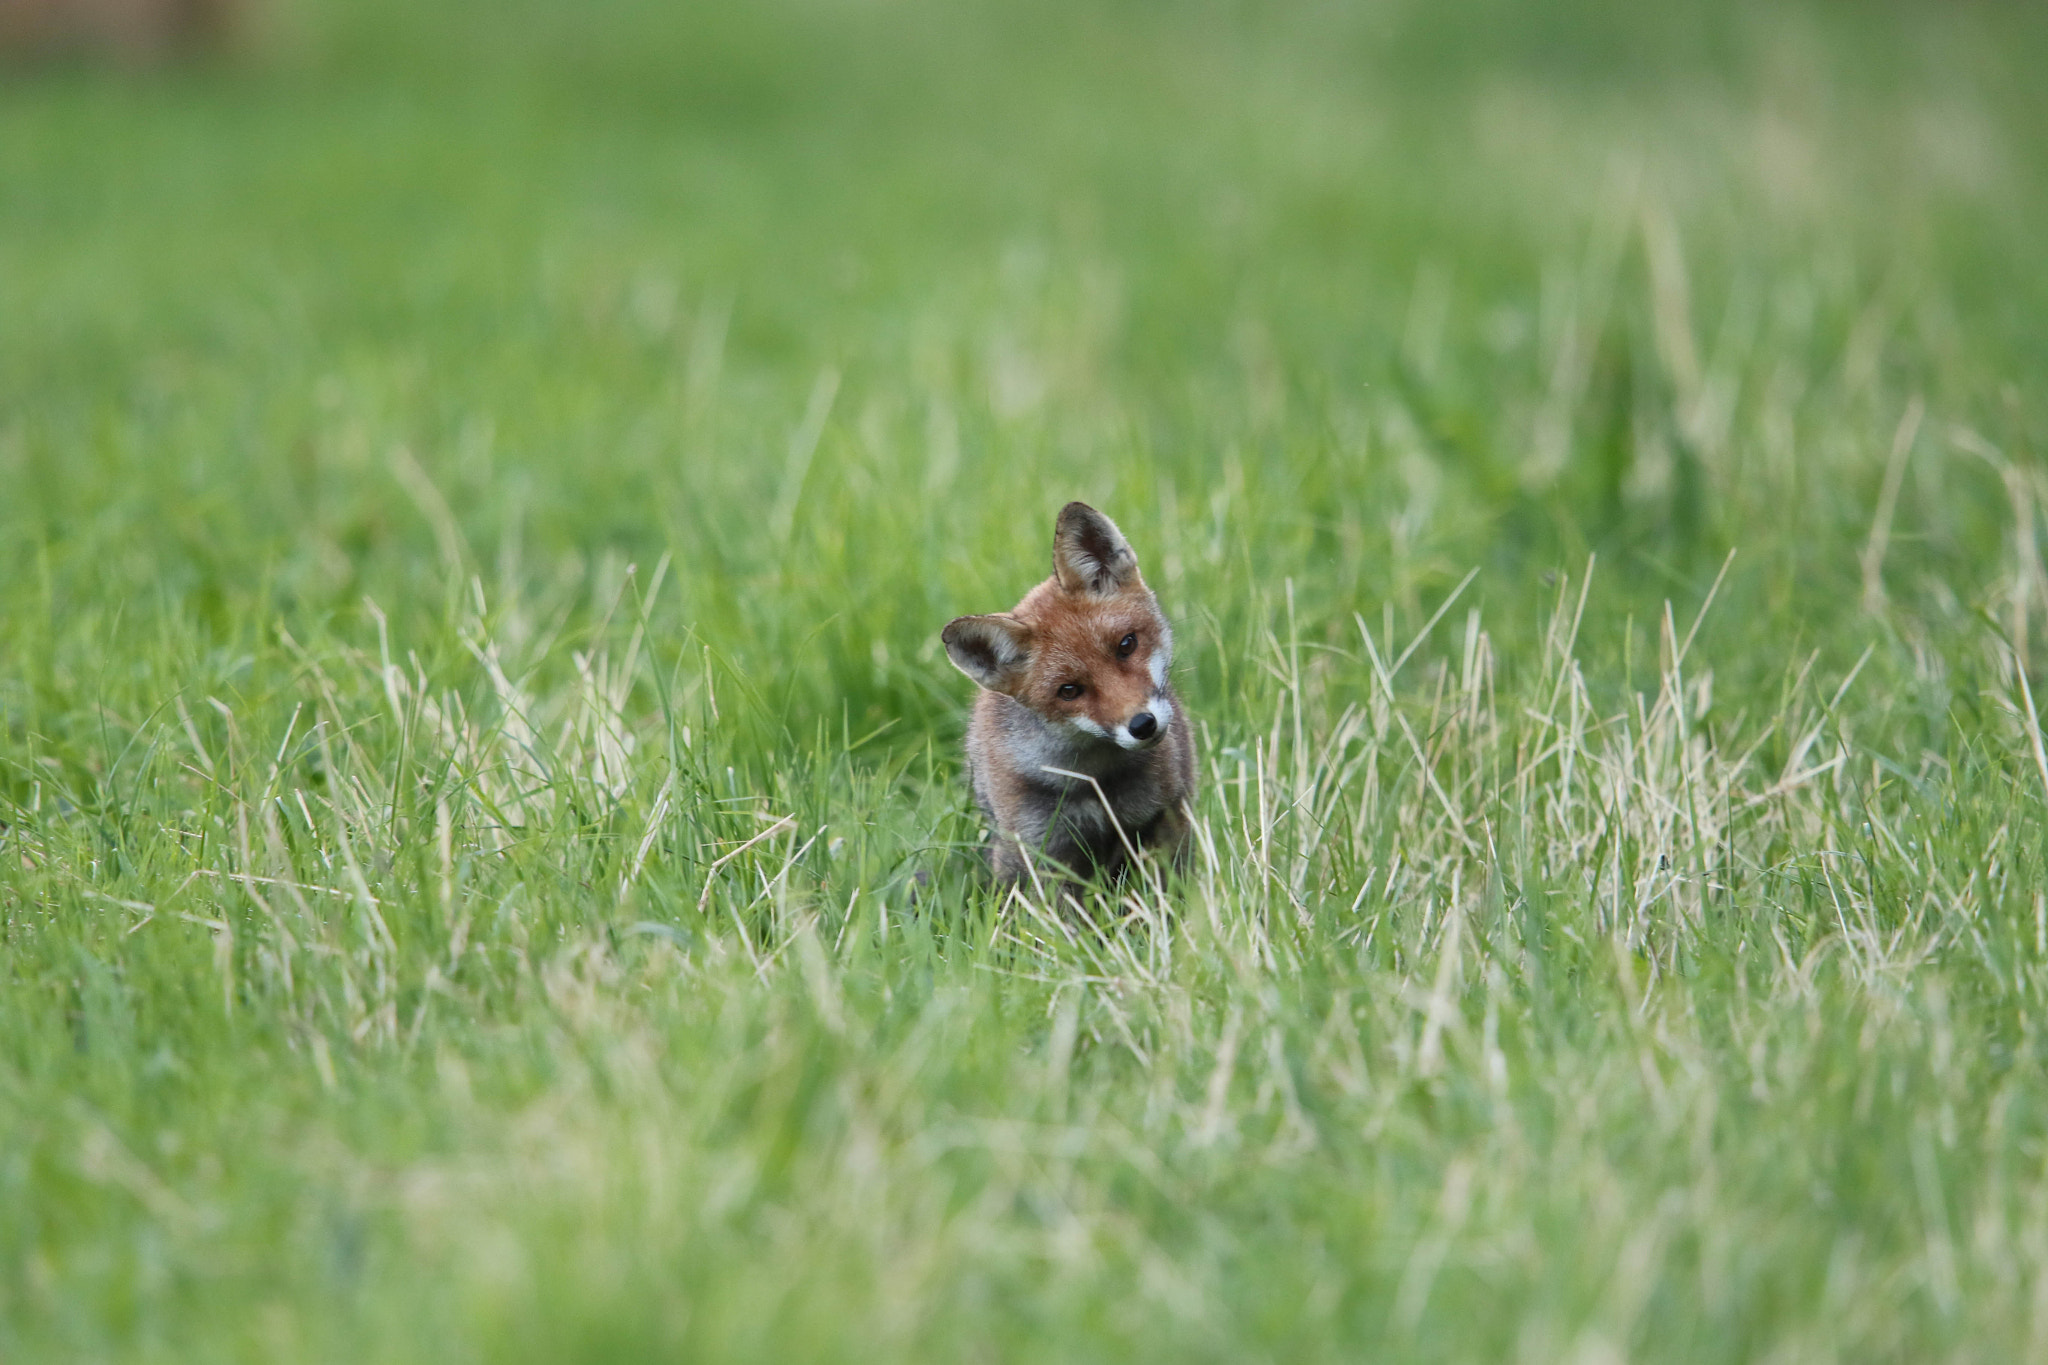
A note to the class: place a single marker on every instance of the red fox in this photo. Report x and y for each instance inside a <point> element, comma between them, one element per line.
<point>1074,687</point>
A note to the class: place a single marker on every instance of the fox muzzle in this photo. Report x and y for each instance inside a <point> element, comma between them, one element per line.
<point>1146,728</point>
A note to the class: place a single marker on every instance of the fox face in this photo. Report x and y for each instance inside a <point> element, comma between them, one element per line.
<point>1088,650</point>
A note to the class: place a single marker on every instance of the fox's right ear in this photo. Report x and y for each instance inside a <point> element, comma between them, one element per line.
<point>992,650</point>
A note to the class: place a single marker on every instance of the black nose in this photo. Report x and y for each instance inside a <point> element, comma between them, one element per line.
<point>1142,725</point>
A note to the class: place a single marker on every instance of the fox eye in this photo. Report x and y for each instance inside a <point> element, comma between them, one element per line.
<point>1129,643</point>
<point>1069,691</point>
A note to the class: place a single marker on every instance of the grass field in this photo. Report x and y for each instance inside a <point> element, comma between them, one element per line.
<point>479,489</point>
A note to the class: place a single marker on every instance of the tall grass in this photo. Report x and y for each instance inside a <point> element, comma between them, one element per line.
<point>485,869</point>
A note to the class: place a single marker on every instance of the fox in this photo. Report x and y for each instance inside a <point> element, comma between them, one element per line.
<point>1078,749</point>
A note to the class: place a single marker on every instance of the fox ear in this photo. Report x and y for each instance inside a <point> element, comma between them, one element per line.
<point>1089,555</point>
<point>992,650</point>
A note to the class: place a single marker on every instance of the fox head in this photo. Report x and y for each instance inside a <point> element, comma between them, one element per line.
<point>1088,649</point>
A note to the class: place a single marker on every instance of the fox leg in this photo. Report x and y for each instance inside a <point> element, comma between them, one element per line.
<point>1011,863</point>
<point>1007,861</point>
<point>1167,837</point>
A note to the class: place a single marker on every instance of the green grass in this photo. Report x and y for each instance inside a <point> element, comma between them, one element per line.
<point>479,489</point>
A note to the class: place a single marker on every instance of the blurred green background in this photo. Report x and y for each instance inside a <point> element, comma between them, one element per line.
<point>467,469</point>
<point>1410,288</point>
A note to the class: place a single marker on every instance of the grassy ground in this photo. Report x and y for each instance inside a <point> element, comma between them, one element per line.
<point>479,489</point>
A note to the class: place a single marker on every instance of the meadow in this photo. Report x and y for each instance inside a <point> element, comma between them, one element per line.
<point>485,867</point>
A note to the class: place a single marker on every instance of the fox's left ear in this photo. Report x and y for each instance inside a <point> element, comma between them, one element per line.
<point>1089,555</point>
